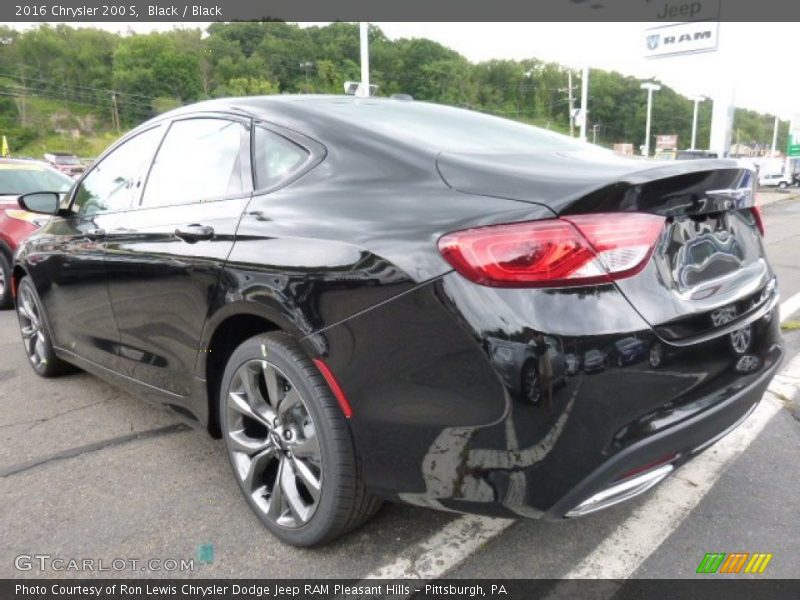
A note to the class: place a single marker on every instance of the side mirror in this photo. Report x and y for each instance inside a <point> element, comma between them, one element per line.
<point>46,203</point>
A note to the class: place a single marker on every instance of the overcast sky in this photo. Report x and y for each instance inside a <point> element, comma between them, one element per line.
<point>758,61</point>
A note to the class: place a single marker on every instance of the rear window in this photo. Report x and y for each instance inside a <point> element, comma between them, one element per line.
<point>447,128</point>
<point>17,179</point>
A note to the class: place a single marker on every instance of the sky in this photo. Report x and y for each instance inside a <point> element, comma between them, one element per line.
<point>756,63</point>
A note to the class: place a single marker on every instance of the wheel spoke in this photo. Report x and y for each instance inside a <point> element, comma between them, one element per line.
<point>290,400</point>
<point>276,501</point>
<point>311,481</point>
<point>239,403</point>
<point>39,347</point>
<point>291,494</point>
<point>306,447</point>
<point>241,442</point>
<point>258,463</point>
<point>273,385</point>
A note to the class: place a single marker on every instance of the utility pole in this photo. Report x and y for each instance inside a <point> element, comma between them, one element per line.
<point>115,111</point>
<point>775,136</point>
<point>571,105</point>
<point>650,87</point>
<point>363,89</point>
<point>584,101</point>
<point>306,65</point>
<point>697,101</point>
<point>595,127</point>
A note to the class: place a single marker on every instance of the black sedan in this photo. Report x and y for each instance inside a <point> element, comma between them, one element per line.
<point>325,282</point>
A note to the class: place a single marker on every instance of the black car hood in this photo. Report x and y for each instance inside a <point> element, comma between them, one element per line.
<point>558,179</point>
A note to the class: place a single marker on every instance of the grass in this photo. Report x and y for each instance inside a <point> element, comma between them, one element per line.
<point>87,146</point>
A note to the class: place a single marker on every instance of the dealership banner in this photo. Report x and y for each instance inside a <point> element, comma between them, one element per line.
<point>657,11</point>
<point>710,587</point>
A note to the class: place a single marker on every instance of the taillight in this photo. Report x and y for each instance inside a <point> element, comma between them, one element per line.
<point>568,251</point>
<point>756,210</point>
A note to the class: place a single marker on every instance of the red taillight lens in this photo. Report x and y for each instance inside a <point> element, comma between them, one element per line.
<point>756,210</point>
<point>575,250</point>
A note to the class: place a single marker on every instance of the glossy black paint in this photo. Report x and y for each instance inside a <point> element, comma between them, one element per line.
<point>343,258</point>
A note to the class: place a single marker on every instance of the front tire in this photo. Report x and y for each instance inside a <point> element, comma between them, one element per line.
<point>289,444</point>
<point>6,300</point>
<point>36,333</point>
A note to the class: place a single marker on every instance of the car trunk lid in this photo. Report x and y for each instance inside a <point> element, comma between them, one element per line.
<point>708,271</point>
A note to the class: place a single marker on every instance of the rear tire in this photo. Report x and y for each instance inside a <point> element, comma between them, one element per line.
<point>289,444</point>
<point>783,185</point>
<point>36,333</point>
<point>6,299</point>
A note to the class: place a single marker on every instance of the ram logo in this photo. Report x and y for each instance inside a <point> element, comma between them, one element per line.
<point>652,41</point>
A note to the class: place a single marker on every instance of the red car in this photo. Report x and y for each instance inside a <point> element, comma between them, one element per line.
<point>20,177</point>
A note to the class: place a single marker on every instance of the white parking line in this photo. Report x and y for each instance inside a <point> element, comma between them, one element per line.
<point>619,555</point>
<point>789,307</point>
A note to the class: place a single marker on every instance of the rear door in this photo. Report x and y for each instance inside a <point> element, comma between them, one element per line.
<point>164,258</point>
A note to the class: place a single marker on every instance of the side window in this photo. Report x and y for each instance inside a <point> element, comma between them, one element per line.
<point>113,183</point>
<point>276,158</point>
<point>200,160</point>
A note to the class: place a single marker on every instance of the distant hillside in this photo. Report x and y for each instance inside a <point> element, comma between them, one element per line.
<point>71,89</point>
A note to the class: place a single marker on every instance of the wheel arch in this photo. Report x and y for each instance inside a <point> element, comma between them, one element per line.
<point>222,335</point>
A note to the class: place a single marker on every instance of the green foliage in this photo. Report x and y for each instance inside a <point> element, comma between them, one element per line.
<point>61,81</point>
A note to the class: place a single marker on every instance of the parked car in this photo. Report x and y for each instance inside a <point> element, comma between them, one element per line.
<point>20,177</point>
<point>521,365</point>
<point>628,351</point>
<point>695,154</point>
<point>778,180</point>
<point>316,279</point>
<point>572,364</point>
<point>69,164</point>
<point>594,360</point>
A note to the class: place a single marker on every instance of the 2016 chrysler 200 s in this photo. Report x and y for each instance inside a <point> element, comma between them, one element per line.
<point>374,298</point>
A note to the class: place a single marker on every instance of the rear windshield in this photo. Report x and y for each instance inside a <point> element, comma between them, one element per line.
<point>447,128</point>
<point>17,179</point>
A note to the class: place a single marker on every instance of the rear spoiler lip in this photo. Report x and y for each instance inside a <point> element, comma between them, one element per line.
<point>557,179</point>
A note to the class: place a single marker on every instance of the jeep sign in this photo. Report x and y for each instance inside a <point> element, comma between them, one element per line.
<point>681,38</point>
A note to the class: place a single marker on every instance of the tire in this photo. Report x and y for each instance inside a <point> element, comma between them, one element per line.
<point>289,445</point>
<point>656,356</point>
<point>36,333</point>
<point>783,185</point>
<point>6,299</point>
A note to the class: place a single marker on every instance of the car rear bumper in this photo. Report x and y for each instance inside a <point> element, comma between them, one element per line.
<point>663,452</point>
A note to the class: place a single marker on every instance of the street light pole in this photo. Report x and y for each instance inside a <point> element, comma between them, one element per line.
<point>650,87</point>
<point>584,101</point>
<point>697,101</point>
<point>775,136</point>
<point>363,89</point>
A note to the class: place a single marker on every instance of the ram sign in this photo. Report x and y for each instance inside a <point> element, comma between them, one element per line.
<point>680,38</point>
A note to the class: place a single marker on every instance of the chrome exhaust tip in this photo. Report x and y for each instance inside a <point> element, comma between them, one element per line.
<point>621,491</point>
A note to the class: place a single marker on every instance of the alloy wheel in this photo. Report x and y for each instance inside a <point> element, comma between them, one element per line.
<point>273,444</point>
<point>2,281</point>
<point>31,327</point>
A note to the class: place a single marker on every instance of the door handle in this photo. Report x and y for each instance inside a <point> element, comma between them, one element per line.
<point>194,233</point>
<point>95,234</point>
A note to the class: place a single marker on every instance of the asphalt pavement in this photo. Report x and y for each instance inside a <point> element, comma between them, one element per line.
<point>89,472</point>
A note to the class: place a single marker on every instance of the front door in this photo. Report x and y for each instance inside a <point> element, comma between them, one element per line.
<point>164,259</point>
<point>72,252</point>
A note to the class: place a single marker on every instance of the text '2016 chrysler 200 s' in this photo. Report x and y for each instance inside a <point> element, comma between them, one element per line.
<point>376,298</point>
